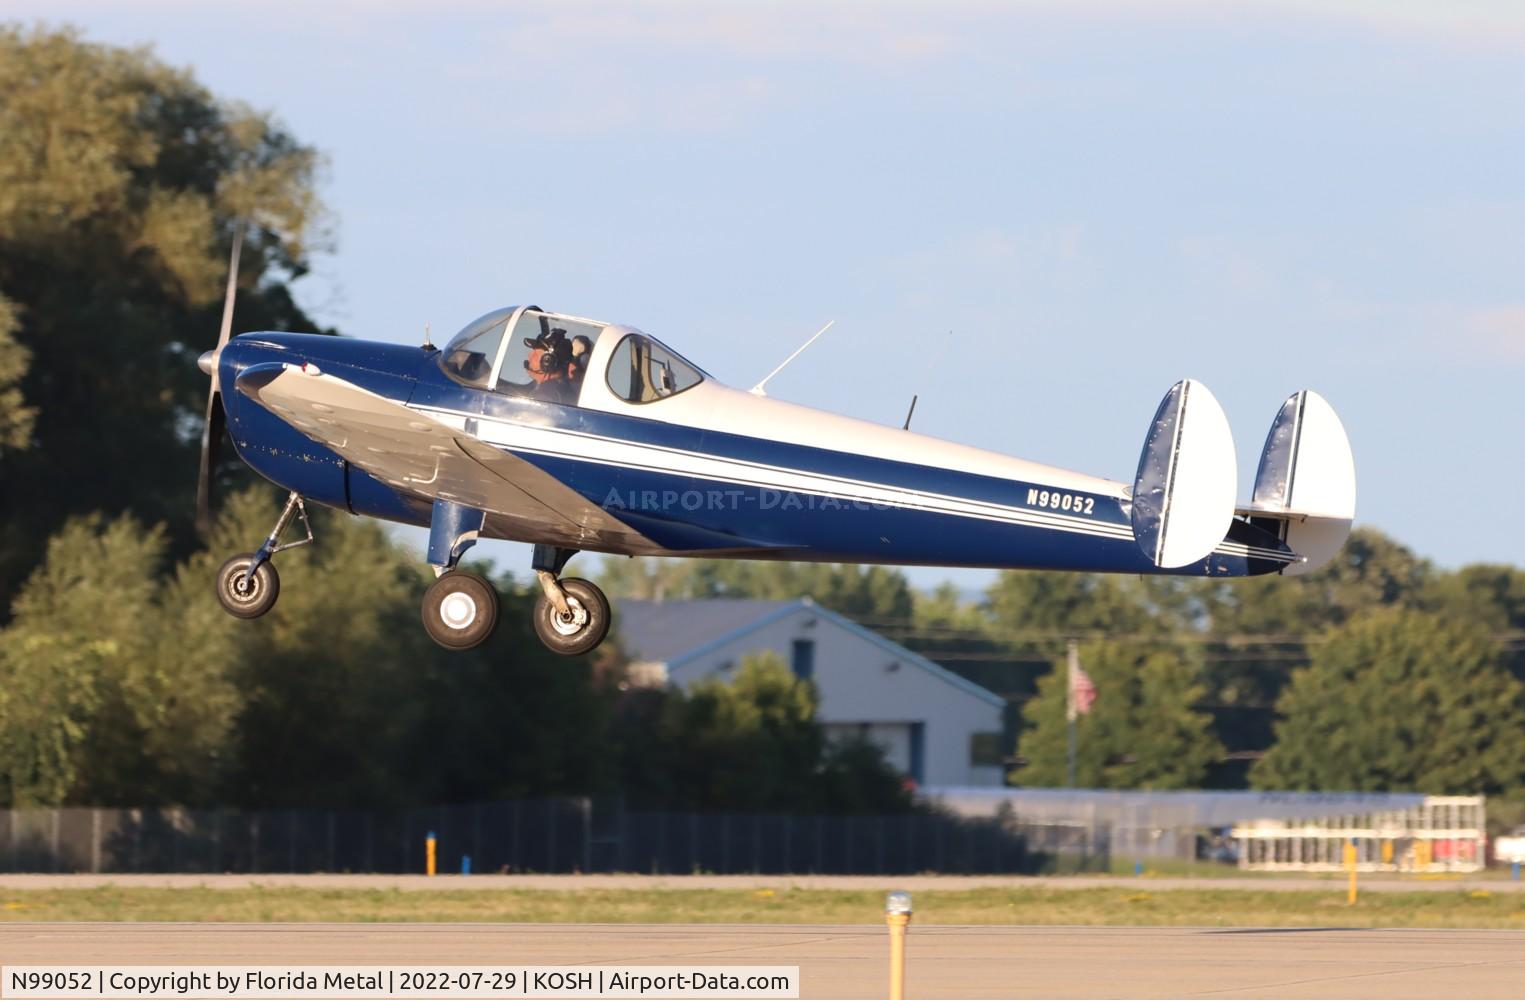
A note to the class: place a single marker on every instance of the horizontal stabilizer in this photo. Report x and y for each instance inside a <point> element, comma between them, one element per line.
<point>1183,495</point>
<point>1307,481</point>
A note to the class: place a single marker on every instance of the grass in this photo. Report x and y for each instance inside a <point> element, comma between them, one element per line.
<point>1131,905</point>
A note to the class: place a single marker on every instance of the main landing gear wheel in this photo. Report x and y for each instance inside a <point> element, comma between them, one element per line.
<point>245,596</point>
<point>460,610</point>
<point>584,624</point>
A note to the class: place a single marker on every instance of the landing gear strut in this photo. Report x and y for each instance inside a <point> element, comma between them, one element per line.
<point>460,608</point>
<point>571,615</point>
<point>247,584</point>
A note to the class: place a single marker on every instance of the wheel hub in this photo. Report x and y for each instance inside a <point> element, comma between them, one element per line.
<point>571,623</point>
<point>458,610</point>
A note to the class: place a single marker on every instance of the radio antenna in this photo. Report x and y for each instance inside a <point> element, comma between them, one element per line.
<point>757,390</point>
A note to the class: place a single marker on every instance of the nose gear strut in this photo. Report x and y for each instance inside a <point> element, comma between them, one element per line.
<point>247,584</point>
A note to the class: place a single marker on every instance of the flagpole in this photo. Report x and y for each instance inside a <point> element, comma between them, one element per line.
<point>1073,661</point>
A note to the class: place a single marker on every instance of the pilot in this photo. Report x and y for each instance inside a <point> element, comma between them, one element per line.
<point>548,364</point>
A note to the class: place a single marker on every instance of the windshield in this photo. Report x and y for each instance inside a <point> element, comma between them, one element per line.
<point>471,353</point>
<point>643,370</point>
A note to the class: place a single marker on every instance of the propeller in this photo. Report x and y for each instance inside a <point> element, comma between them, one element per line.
<point>216,418</point>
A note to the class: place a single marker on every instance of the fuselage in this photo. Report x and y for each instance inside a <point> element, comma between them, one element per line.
<point>715,471</point>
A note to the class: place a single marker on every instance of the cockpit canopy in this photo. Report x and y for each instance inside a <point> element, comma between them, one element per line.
<point>529,352</point>
<point>486,354</point>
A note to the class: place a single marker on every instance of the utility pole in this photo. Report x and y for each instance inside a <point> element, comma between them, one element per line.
<point>1073,663</point>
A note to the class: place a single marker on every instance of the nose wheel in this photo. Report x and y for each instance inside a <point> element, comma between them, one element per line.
<point>460,610</point>
<point>579,625</point>
<point>244,594</point>
<point>247,584</point>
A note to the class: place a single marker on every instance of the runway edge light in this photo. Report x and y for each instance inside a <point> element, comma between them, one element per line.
<point>897,914</point>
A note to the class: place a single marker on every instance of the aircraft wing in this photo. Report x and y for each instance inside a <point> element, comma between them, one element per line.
<point>418,454</point>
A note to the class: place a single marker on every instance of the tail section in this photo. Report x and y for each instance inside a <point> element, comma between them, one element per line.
<point>1305,488</point>
<point>1183,494</point>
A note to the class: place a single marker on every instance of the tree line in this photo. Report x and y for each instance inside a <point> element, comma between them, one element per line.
<point>124,683</point>
<point>1379,672</point>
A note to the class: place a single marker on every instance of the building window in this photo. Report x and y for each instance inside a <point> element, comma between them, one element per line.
<point>802,659</point>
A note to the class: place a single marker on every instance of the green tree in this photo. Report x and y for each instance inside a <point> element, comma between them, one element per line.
<point>15,416</point>
<point>749,739</point>
<point>114,686</point>
<point>1038,610</point>
<point>1372,570</point>
<point>944,607</point>
<point>120,183</point>
<point>1141,732</point>
<point>1400,700</point>
<point>1255,632</point>
<point>124,684</point>
<point>749,743</point>
<point>346,701</point>
<point>1492,596</point>
<point>867,592</point>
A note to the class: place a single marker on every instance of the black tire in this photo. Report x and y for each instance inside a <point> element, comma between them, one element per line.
<point>251,599</point>
<point>460,610</point>
<point>585,631</point>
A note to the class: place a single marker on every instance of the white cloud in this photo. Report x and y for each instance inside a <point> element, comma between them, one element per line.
<point>1228,265</point>
<point>1495,333</point>
<point>847,32</point>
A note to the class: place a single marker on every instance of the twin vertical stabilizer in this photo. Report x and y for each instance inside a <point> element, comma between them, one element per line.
<point>1183,493</point>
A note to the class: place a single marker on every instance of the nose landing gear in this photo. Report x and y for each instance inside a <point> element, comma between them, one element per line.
<point>247,584</point>
<point>246,594</point>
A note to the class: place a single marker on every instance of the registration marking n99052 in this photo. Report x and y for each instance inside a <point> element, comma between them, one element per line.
<point>1056,500</point>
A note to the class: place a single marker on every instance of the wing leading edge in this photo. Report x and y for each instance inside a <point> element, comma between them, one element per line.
<point>416,453</point>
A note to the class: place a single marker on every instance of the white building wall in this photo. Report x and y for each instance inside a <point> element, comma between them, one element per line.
<point>863,682</point>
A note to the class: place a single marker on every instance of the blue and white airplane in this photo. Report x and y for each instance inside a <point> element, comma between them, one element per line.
<point>578,435</point>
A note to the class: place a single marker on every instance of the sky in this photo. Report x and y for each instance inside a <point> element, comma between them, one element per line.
<point>1034,216</point>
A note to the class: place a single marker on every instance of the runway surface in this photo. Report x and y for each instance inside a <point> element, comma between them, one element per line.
<point>877,883</point>
<point>846,963</point>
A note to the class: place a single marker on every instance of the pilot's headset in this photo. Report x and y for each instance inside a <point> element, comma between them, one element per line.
<point>558,352</point>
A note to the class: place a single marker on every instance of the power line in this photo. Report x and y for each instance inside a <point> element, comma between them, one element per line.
<point>1513,639</point>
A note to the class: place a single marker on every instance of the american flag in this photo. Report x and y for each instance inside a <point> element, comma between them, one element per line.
<point>1082,690</point>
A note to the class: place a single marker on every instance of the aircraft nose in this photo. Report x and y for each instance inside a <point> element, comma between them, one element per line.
<point>206,361</point>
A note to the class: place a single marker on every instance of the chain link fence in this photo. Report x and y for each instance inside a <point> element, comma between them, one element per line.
<point>533,836</point>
